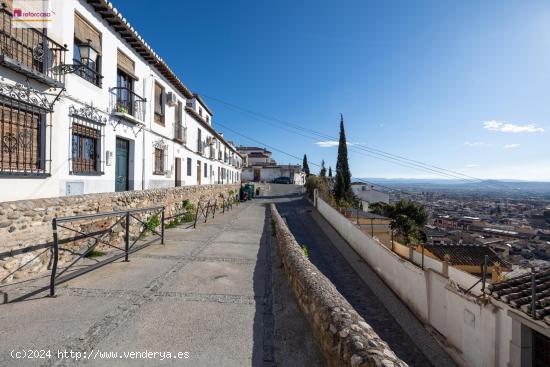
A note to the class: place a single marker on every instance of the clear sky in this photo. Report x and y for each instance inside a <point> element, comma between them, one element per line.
<point>462,85</point>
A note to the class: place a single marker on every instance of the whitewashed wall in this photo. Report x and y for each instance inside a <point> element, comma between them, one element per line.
<point>480,332</point>
<point>80,92</point>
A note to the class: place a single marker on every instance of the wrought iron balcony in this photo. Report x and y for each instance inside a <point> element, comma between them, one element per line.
<point>180,133</point>
<point>127,104</point>
<point>30,52</point>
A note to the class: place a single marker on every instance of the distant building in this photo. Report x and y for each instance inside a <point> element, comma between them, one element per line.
<point>260,167</point>
<point>466,257</point>
<point>368,195</point>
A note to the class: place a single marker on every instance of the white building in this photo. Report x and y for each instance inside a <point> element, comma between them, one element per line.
<point>259,166</point>
<point>87,106</point>
<point>368,195</point>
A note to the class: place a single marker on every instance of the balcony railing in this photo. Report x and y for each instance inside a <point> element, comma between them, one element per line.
<point>30,52</point>
<point>127,103</point>
<point>180,133</point>
<point>87,73</point>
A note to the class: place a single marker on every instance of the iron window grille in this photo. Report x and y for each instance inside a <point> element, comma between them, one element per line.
<point>23,131</point>
<point>160,157</point>
<point>189,166</point>
<point>23,139</point>
<point>87,133</point>
<point>159,162</point>
<point>85,149</point>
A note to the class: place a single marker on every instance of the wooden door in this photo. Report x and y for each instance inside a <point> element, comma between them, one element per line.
<point>121,164</point>
<point>178,171</point>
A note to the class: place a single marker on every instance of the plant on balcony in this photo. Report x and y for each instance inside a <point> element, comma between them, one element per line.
<point>122,109</point>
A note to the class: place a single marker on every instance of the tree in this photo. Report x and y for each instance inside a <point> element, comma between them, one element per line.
<point>409,218</point>
<point>305,166</point>
<point>342,187</point>
<point>323,172</point>
<point>329,171</point>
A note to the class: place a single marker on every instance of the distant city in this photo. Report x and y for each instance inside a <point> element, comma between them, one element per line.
<point>511,217</point>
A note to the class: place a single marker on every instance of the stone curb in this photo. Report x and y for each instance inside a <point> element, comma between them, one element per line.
<point>344,337</point>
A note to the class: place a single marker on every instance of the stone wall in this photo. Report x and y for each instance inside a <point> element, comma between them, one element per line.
<point>29,222</point>
<point>344,336</point>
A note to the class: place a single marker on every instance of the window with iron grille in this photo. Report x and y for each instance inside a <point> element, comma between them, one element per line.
<point>86,150</point>
<point>205,170</point>
<point>159,161</point>
<point>22,140</point>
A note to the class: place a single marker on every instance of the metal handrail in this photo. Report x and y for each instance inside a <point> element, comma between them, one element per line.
<point>123,217</point>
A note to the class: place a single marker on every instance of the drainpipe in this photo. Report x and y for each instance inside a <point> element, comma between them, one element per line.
<point>143,130</point>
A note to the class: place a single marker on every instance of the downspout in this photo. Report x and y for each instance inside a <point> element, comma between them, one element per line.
<point>143,133</point>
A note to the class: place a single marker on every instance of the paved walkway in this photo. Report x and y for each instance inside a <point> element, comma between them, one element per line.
<point>362,287</point>
<point>207,292</point>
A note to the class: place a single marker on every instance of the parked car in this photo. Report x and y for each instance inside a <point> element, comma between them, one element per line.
<point>282,180</point>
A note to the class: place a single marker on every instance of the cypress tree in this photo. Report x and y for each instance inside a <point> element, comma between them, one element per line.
<point>323,171</point>
<point>305,166</point>
<point>342,187</point>
<point>329,171</point>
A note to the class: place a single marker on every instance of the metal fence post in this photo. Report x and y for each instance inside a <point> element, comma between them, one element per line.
<point>127,236</point>
<point>197,214</point>
<point>55,257</point>
<point>484,275</point>
<point>162,227</point>
<point>533,293</point>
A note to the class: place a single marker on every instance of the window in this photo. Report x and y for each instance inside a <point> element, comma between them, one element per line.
<point>200,112</point>
<point>199,140</point>
<point>86,35</point>
<point>205,170</point>
<point>207,118</point>
<point>189,166</point>
<point>159,104</point>
<point>159,162</point>
<point>218,174</point>
<point>22,140</point>
<point>125,87</point>
<point>85,149</point>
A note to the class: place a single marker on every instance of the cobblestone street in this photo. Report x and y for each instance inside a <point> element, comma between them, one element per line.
<point>372,299</point>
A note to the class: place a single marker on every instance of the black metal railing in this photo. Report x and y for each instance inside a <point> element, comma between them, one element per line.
<point>124,100</point>
<point>30,51</point>
<point>92,230</point>
<point>86,72</point>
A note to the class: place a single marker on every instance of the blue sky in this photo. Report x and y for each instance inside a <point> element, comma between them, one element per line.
<point>462,85</point>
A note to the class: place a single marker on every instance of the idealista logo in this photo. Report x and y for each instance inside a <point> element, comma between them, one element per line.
<point>31,14</point>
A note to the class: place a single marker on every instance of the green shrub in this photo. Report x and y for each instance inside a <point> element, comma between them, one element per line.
<point>153,221</point>
<point>305,250</point>
<point>95,253</point>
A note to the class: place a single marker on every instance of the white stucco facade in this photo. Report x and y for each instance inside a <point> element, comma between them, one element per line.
<point>181,158</point>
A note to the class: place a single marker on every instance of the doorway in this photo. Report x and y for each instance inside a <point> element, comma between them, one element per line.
<point>177,164</point>
<point>198,172</point>
<point>121,164</point>
<point>256,174</point>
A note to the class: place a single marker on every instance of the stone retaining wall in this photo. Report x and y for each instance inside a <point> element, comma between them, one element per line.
<point>344,336</point>
<point>25,223</point>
